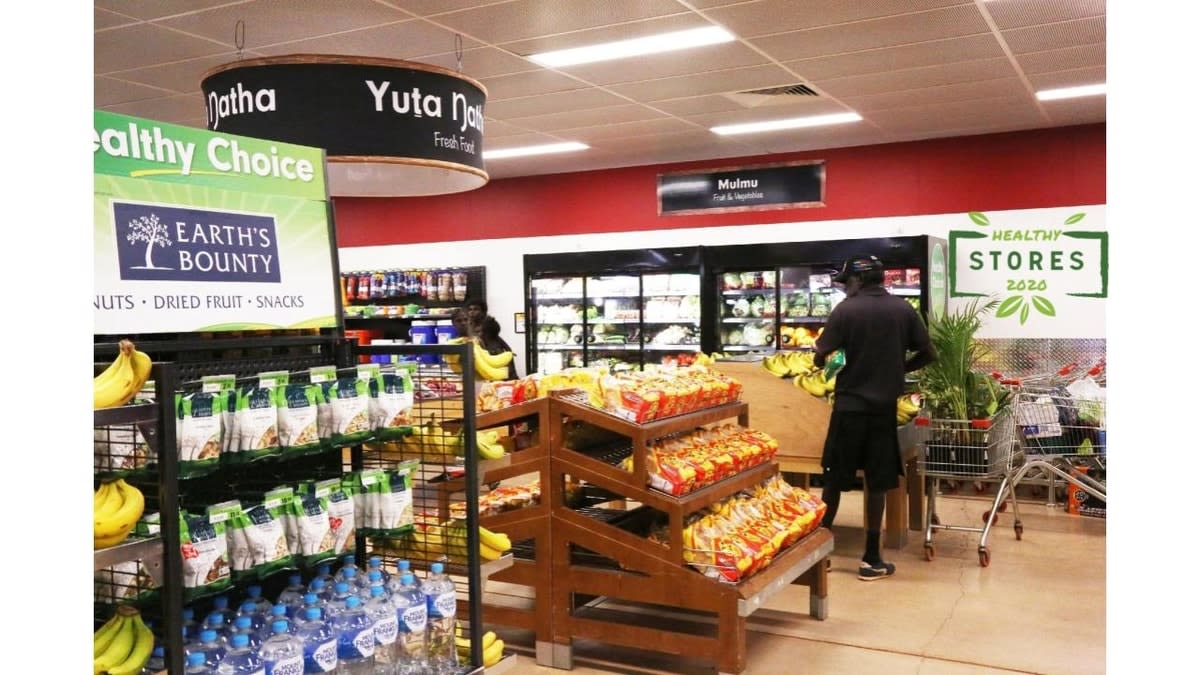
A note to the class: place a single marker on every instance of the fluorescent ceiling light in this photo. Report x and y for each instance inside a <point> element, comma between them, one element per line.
<point>791,123</point>
<point>654,44</point>
<point>1072,92</point>
<point>533,150</point>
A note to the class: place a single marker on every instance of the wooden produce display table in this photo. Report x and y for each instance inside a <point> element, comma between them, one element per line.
<point>800,421</point>
<point>601,554</point>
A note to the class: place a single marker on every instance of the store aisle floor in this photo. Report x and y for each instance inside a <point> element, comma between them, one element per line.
<point>1038,608</point>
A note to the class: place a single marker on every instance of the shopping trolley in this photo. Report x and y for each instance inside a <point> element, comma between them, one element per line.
<point>965,450</point>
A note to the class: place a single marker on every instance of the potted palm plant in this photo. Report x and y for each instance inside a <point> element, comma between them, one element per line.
<point>962,399</point>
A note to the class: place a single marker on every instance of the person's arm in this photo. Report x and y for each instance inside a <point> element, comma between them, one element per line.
<point>830,340</point>
<point>918,341</point>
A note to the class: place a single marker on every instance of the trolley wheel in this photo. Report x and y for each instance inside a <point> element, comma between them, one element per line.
<point>935,520</point>
<point>929,552</point>
<point>1003,506</point>
<point>995,518</point>
<point>985,557</point>
<point>1019,529</point>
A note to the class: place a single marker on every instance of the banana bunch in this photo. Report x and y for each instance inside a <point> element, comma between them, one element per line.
<point>789,364</point>
<point>907,407</point>
<point>493,648</point>
<point>122,379</point>
<point>122,646</point>
<point>116,508</point>
<point>491,367</point>
<point>492,545</point>
<point>488,443</point>
<point>816,384</point>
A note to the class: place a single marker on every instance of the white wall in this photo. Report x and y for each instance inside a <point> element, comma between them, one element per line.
<point>504,262</point>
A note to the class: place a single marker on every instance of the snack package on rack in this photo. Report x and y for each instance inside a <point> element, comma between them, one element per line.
<point>314,537</point>
<point>350,420</point>
<point>510,498</point>
<point>494,396</point>
<point>205,554</point>
<point>392,402</point>
<point>339,508</point>
<point>198,432</point>
<point>119,450</point>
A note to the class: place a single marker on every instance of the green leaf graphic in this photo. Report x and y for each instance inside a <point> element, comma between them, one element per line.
<point>1043,305</point>
<point>1009,306</point>
<point>979,219</point>
<point>1075,218</point>
<point>1024,313</point>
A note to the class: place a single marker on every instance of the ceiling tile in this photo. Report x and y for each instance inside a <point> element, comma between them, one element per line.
<point>563,101</point>
<point>403,40</point>
<point>493,128</point>
<point>1021,13</point>
<point>482,62</point>
<point>532,83</point>
<point>698,105</point>
<point>517,140</point>
<point>918,78</point>
<point>802,107</point>
<point>167,109</point>
<point>184,76</point>
<point>102,19</point>
<point>269,22</point>
<point>619,130</point>
<point>692,138</point>
<point>154,45</point>
<point>587,118</point>
<point>1055,35</point>
<point>609,33</point>
<point>915,55</point>
<point>766,17</point>
<point>432,7</point>
<point>712,57</point>
<point>799,140</point>
<point>1083,56</point>
<point>524,19</point>
<point>1078,110</point>
<point>737,79</point>
<point>156,9</point>
<point>1007,87</point>
<point>966,114</point>
<point>938,24</point>
<point>949,132</point>
<point>109,91</point>
<point>538,165</point>
<point>1068,78</point>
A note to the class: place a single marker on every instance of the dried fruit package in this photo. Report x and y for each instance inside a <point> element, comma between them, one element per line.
<point>257,424</point>
<point>392,402</point>
<point>314,539</point>
<point>349,400</point>
<point>199,430</point>
<point>339,507</point>
<point>298,434</point>
<point>205,556</point>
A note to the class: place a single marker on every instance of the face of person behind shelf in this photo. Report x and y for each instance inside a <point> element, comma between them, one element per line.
<point>475,314</point>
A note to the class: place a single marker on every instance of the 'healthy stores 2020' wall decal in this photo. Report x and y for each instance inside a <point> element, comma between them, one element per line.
<point>1028,267</point>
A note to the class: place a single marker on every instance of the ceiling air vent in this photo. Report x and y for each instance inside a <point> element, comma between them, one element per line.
<point>787,94</point>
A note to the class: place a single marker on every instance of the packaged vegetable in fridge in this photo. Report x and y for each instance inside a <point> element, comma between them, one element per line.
<point>298,419</point>
<point>198,432</point>
<point>349,400</point>
<point>392,400</point>
<point>205,556</point>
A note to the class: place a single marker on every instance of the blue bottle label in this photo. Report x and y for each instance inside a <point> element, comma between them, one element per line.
<point>321,658</point>
<point>413,620</point>
<point>289,666</point>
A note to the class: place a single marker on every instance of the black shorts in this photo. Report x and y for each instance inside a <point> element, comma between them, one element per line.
<point>866,441</point>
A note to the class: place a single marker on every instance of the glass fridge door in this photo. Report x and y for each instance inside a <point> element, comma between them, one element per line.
<point>799,326</point>
<point>671,318</point>
<point>747,301</point>
<point>613,315</point>
<point>906,283</point>
<point>558,310</point>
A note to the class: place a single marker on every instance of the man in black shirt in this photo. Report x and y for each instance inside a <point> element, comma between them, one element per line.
<point>876,331</point>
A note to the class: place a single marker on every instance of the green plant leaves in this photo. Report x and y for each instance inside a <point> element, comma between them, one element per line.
<point>982,220</point>
<point>1010,306</point>
<point>1043,305</point>
<point>1024,313</point>
<point>1075,218</point>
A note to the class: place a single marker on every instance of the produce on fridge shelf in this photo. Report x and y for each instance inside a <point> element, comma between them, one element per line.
<point>122,379</point>
<point>758,334</point>
<point>122,646</point>
<point>116,508</point>
<point>731,281</point>
<point>741,308</point>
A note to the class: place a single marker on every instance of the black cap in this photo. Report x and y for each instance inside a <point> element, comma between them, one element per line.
<point>858,266</point>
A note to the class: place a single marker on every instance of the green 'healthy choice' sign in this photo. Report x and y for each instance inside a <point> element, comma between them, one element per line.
<point>1029,269</point>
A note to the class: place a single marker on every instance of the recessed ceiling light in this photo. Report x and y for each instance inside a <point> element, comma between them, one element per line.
<point>549,148</point>
<point>1072,92</point>
<point>790,123</point>
<point>653,44</point>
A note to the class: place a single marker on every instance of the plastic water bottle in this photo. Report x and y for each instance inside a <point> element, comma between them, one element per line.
<point>189,623</point>
<point>356,639</point>
<point>319,640</point>
<point>321,589</point>
<point>212,646</point>
<point>241,659</point>
<point>383,615</point>
<point>257,619</point>
<point>196,665</point>
<point>292,596</point>
<point>349,575</point>
<point>254,593</point>
<point>374,577</point>
<point>347,564</point>
<point>157,662</point>
<point>412,618</point>
<point>324,574</point>
<point>277,612</point>
<point>244,625</point>
<point>216,621</point>
<point>441,605</point>
<point>311,600</point>
<point>337,604</point>
<point>221,606</point>
<point>282,653</point>
<point>394,582</point>
<point>376,563</point>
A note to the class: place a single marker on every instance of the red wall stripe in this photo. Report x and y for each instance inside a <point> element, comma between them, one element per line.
<point>1063,166</point>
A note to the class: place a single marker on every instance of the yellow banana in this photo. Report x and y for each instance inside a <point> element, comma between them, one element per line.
<point>488,553</point>
<point>102,638</point>
<point>120,647</point>
<point>775,366</point>
<point>497,540</point>
<point>489,450</point>
<point>103,495</point>
<point>493,360</point>
<point>141,366</point>
<point>493,654</point>
<point>812,385</point>
<point>830,385</point>
<point>119,386</point>
<point>489,373</point>
<point>113,500</point>
<point>139,654</point>
<point>125,517</point>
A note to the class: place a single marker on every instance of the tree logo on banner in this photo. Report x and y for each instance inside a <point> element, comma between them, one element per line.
<point>1028,266</point>
<point>149,230</point>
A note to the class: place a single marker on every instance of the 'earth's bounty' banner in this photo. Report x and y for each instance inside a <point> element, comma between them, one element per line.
<point>201,231</point>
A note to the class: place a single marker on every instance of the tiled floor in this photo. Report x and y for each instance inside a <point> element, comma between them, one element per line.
<point>1038,608</point>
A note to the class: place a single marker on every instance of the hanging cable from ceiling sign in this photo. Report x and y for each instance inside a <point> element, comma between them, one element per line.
<point>239,37</point>
<point>458,50</point>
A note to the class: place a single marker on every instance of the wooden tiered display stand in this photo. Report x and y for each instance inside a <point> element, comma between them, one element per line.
<point>595,555</point>
<point>529,527</point>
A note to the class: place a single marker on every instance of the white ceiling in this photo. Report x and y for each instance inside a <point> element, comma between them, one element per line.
<point>913,69</point>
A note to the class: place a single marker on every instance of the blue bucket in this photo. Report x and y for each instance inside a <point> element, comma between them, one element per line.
<point>423,333</point>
